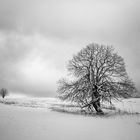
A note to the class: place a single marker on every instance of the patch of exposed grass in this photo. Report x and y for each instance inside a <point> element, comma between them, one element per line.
<point>109,111</point>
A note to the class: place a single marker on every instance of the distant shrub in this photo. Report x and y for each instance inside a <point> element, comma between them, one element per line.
<point>3,92</point>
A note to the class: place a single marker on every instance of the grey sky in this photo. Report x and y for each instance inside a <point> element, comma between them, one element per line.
<point>38,37</point>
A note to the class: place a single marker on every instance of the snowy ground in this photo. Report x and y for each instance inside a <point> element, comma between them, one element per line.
<point>32,119</point>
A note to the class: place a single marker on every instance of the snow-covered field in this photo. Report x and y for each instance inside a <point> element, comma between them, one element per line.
<point>33,119</point>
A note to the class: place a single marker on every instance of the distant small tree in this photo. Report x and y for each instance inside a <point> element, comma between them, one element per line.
<point>99,75</point>
<point>3,92</point>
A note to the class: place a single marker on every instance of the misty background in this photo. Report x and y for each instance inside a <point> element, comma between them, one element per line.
<point>38,37</point>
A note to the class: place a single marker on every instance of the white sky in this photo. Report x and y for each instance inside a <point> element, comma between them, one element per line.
<point>38,37</point>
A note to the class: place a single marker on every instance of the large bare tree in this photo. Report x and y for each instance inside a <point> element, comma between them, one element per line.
<point>99,74</point>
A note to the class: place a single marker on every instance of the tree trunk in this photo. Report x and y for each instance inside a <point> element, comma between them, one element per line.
<point>96,104</point>
<point>96,101</point>
<point>94,91</point>
<point>97,107</point>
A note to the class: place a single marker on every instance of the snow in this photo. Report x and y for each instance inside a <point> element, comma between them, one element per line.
<point>32,119</point>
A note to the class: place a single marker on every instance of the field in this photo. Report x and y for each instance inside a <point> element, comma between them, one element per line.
<point>51,119</point>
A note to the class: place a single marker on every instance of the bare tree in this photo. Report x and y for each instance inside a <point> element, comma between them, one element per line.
<point>99,75</point>
<point>3,92</point>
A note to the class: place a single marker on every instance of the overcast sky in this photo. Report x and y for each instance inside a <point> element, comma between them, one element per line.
<point>38,37</point>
